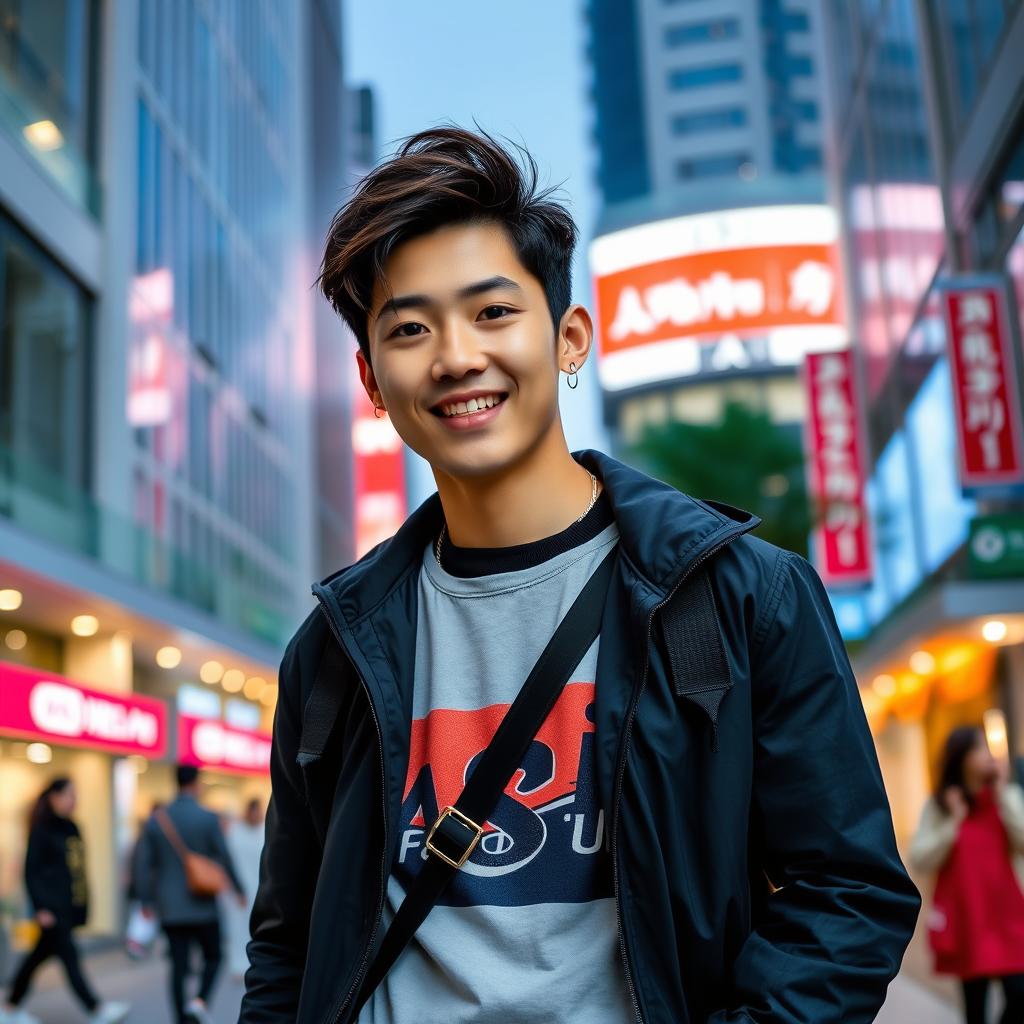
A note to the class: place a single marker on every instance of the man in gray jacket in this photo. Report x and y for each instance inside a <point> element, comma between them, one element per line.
<point>186,918</point>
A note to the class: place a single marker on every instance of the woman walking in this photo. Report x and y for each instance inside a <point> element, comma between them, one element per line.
<point>56,883</point>
<point>972,834</point>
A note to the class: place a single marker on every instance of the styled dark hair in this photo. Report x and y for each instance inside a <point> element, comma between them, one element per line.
<point>187,775</point>
<point>42,811</point>
<point>438,177</point>
<point>960,742</point>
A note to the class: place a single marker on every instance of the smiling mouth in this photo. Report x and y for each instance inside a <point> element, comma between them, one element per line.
<point>450,410</point>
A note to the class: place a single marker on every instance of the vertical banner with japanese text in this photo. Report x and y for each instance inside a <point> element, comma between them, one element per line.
<point>836,468</point>
<point>985,391</point>
<point>379,475</point>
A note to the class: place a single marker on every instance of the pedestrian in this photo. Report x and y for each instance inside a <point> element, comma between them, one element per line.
<point>58,890</point>
<point>245,842</point>
<point>972,835</point>
<point>535,755</point>
<point>180,843</point>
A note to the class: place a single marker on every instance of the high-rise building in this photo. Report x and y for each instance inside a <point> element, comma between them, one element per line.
<point>928,157</point>
<point>165,176</point>
<point>703,90</point>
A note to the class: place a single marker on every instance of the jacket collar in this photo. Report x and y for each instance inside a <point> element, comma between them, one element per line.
<point>662,532</point>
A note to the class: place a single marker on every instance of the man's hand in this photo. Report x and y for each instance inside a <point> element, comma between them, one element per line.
<point>147,912</point>
<point>45,918</point>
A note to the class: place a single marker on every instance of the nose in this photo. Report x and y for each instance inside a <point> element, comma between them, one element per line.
<point>458,352</point>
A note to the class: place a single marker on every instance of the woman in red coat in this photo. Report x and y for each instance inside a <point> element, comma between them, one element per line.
<point>972,834</point>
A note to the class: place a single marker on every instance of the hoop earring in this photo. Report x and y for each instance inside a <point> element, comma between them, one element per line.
<point>378,412</point>
<point>573,384</point>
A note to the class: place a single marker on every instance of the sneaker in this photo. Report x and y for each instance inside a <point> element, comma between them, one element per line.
<point>196,1010</point>
<point>17,1016</point>
<point>109,1013</point>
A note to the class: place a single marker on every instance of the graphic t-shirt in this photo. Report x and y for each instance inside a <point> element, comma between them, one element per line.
<point>527,930</point>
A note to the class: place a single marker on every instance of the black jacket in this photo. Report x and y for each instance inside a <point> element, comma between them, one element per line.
<point>55,871</point>
<point>792,794</point>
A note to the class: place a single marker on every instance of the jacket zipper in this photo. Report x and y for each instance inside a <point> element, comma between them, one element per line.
<point>621,770</point>
<point>335,1017</point>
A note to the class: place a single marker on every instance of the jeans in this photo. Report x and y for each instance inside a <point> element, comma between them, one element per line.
<point>55,941</point>
<point>181,938</point>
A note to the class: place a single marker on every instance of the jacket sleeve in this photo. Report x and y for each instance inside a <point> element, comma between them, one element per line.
<point>144,866</point>
<point>936,833</point>
<point>1011,810</point>
<point>288,872</point>
<point>38,871</point>
<point>825,944</point>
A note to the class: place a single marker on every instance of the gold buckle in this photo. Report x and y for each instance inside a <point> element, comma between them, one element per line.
<point>477,830</point>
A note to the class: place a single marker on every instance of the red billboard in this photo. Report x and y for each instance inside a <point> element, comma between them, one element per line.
<point>378,471</point>
<point>39,705</point>
<point>836,467</point>
<point>208,743</point>
<point>985,394</point>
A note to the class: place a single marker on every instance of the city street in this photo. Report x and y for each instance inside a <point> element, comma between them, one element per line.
<point>143,985</point>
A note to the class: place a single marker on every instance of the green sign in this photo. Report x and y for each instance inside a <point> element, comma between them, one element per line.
<point>996,546</point>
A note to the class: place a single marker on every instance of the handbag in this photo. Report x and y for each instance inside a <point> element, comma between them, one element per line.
<point>204,877</point>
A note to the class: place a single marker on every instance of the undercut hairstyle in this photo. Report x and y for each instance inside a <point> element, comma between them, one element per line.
<point>441,177</point>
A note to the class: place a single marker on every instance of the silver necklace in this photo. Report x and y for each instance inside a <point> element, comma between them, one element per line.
<point>593,501</point>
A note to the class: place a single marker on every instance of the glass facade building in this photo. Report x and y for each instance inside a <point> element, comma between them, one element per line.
<point>927,154</point>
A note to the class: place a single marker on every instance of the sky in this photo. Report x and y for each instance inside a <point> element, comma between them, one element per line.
<point>519,70</point>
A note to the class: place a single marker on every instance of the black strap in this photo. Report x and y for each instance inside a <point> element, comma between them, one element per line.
<point>696,653</point>
<point>571,641</point>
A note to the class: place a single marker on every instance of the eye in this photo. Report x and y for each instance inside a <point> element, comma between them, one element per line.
<point>496,312</point>
<point>407,330</point>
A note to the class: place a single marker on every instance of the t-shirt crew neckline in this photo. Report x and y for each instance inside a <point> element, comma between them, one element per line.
<point>470,563</point>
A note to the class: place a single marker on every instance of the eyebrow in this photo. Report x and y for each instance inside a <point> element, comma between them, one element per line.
<point>397,304</point>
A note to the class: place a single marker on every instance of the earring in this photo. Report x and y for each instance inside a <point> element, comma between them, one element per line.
<point>378,412</point>
<point>574,384</point>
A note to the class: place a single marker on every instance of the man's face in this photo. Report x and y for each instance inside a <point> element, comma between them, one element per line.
<point>460,324</point>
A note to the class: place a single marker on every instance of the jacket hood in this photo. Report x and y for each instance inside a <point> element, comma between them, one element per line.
<point>661,532</point>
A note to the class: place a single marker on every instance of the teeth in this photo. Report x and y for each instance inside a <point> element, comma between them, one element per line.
<point>473,405</point>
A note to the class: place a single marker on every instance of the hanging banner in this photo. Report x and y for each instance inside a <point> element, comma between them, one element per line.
<point>378,471</point>
<point>985,392</point>
<point>836,467</point>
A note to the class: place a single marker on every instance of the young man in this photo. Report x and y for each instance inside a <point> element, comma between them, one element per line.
<point>189,921</point>
<point>698,831</point>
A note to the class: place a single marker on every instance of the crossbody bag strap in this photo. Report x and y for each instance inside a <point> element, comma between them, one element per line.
<point>163,819</point>
<point>458,828</point>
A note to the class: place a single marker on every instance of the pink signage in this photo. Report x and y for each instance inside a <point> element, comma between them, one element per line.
<point>42,706</point>
<point>209,743</point>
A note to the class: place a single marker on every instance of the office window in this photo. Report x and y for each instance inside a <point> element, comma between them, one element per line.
<point>727,164</point>
<point>702,32</point>
<point>701,77</point>
<point>700,121</point>
<point>44,366</point>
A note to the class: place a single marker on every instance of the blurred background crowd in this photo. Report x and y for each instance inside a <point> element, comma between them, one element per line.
<point>803,242</point>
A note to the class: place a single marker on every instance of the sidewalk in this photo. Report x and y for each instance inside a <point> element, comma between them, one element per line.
<point>144,985</point>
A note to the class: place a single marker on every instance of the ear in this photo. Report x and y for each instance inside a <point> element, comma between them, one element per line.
<point>368,379</point>
<point>575,338</point>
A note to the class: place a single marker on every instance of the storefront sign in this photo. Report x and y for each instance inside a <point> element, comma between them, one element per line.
<point>43,706</point>
<point>768,273</point>
<point>836,468</point>
<point>212,744</point>
<point>996,546</point>
<point>985,392</point>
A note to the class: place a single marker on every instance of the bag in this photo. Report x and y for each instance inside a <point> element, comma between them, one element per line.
<point>140,933</point>
<point>204,877</point>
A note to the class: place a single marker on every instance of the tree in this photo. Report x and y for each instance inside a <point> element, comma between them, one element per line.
<point>745,460</point>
